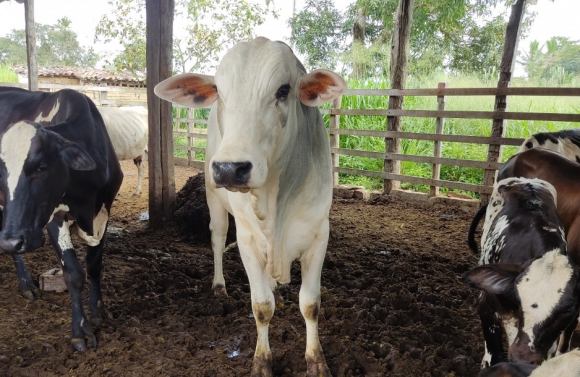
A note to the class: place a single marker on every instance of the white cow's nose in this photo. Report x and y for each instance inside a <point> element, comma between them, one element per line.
<point>232,174</point>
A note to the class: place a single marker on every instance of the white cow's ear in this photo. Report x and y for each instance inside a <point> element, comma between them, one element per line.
<point>320,86</point>
<point>493,278</point>
<point>188,89</point>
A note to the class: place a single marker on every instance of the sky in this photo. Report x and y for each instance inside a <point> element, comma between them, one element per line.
<point>558,18</point>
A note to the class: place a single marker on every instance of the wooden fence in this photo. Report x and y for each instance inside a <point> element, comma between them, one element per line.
<point>439,136</point>
<point>185,127</point>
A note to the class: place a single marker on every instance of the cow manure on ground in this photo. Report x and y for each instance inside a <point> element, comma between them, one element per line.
<point>192,212</point>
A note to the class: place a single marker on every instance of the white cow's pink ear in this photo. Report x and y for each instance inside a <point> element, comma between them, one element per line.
<point>320,86</point>
<point>188,89</point>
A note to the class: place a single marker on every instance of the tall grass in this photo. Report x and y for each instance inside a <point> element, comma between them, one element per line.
<point>472,127</point>
<point>6,74</point>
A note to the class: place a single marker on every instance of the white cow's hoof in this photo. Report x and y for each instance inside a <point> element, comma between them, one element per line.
<point>220,291</point>
<point>262,366</point>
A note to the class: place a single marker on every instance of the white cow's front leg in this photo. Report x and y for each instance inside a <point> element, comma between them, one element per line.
<point>311,263</point>
<point>218,227</point>
<point>263,306</point>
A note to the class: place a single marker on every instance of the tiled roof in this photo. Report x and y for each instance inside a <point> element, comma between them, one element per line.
<point>87,74</point>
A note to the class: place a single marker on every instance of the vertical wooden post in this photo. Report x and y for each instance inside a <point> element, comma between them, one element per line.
<point>512,36</point>
<point>439,127</point>
<point>31,45</point>
<point>103,95</point>
<point>159,67</point>
<point>190,139</point>
<point>335,139</point>
<point>399,53</point>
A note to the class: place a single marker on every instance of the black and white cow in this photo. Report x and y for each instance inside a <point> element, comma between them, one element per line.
<point>565,365</point>
<point>530,289</point>
<point>565,142</point>
<point>57,169</point>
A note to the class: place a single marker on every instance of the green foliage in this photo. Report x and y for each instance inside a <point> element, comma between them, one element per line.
<point>474,127</point>
<point>317,34</point>
<point>6,74</point>
<point>212,27</point>
<point>460,35</point>
<point>57,45</point>
<point>559,63</point>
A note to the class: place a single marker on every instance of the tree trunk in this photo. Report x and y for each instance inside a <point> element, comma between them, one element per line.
<point>512,36</point>
<point>358,44</point>
<point>399,57</point>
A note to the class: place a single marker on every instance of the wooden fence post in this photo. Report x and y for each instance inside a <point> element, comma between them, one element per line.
<point>439,127</point>
<point>335,138</point>
<point>190,139</point>
<point>103,95</point>
<point>31,45</point>
<point>512,36</point>
<point>159,16</point>
<point>399,53</point>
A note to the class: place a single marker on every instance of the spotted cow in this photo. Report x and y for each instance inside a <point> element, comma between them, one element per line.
<point>565,365</point>
<point>565,142</point>
<point>58,170</point>
<point>128,130</point>
<point>268,164</point>
<point>530,288</point>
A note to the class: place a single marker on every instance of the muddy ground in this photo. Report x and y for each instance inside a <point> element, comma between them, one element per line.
<point>392,302</point>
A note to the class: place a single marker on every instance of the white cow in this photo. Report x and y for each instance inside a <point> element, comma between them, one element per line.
<point>268,164</point>
<point>128,131</point>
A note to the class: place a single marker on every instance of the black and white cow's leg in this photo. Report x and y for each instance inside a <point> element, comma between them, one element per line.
<point>26,285</point>
<point>492,331</point>
<point>311,266</point>
<point>74,277</point>
<point>94,262</point>
<point>140,170</point>
<point>566,338</point>
<point>218,227</point>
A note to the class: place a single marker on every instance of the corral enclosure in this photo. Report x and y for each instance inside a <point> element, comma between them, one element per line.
<point>392,302</point>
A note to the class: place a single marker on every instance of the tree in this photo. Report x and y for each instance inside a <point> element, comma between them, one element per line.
<point>559,63</point>
<point>57,45</point>
<point>317,33</point>
<point>212,26</point>
<point>444,34</point>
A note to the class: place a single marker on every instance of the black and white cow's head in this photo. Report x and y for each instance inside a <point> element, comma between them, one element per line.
<point>34,175</point>
<point>542,293</point>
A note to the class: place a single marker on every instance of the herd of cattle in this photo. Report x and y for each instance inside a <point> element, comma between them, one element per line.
<point>268,164</point>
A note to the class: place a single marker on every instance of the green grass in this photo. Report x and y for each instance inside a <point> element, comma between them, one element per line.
<point>474,127</point>
<point>6,74</point>
<point>181,126</point>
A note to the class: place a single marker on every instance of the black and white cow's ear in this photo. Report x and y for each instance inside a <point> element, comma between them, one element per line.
<point>75,158</point>
<point>188,89</point>
<point>493,278</point>
<point>320,86</point>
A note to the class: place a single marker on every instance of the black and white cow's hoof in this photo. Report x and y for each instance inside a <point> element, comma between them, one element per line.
<point>80,345</point>
<point>220,291</point>
<point>31,293</point>
<point>316,366</point>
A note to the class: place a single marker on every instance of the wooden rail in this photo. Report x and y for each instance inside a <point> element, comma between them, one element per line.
<point>439,136</point>
<point>186,127</point>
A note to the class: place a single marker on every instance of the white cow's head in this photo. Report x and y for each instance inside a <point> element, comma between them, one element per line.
<point>260,88</point>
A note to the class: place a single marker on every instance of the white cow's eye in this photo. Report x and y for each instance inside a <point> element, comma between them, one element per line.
<point>282,92</point>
